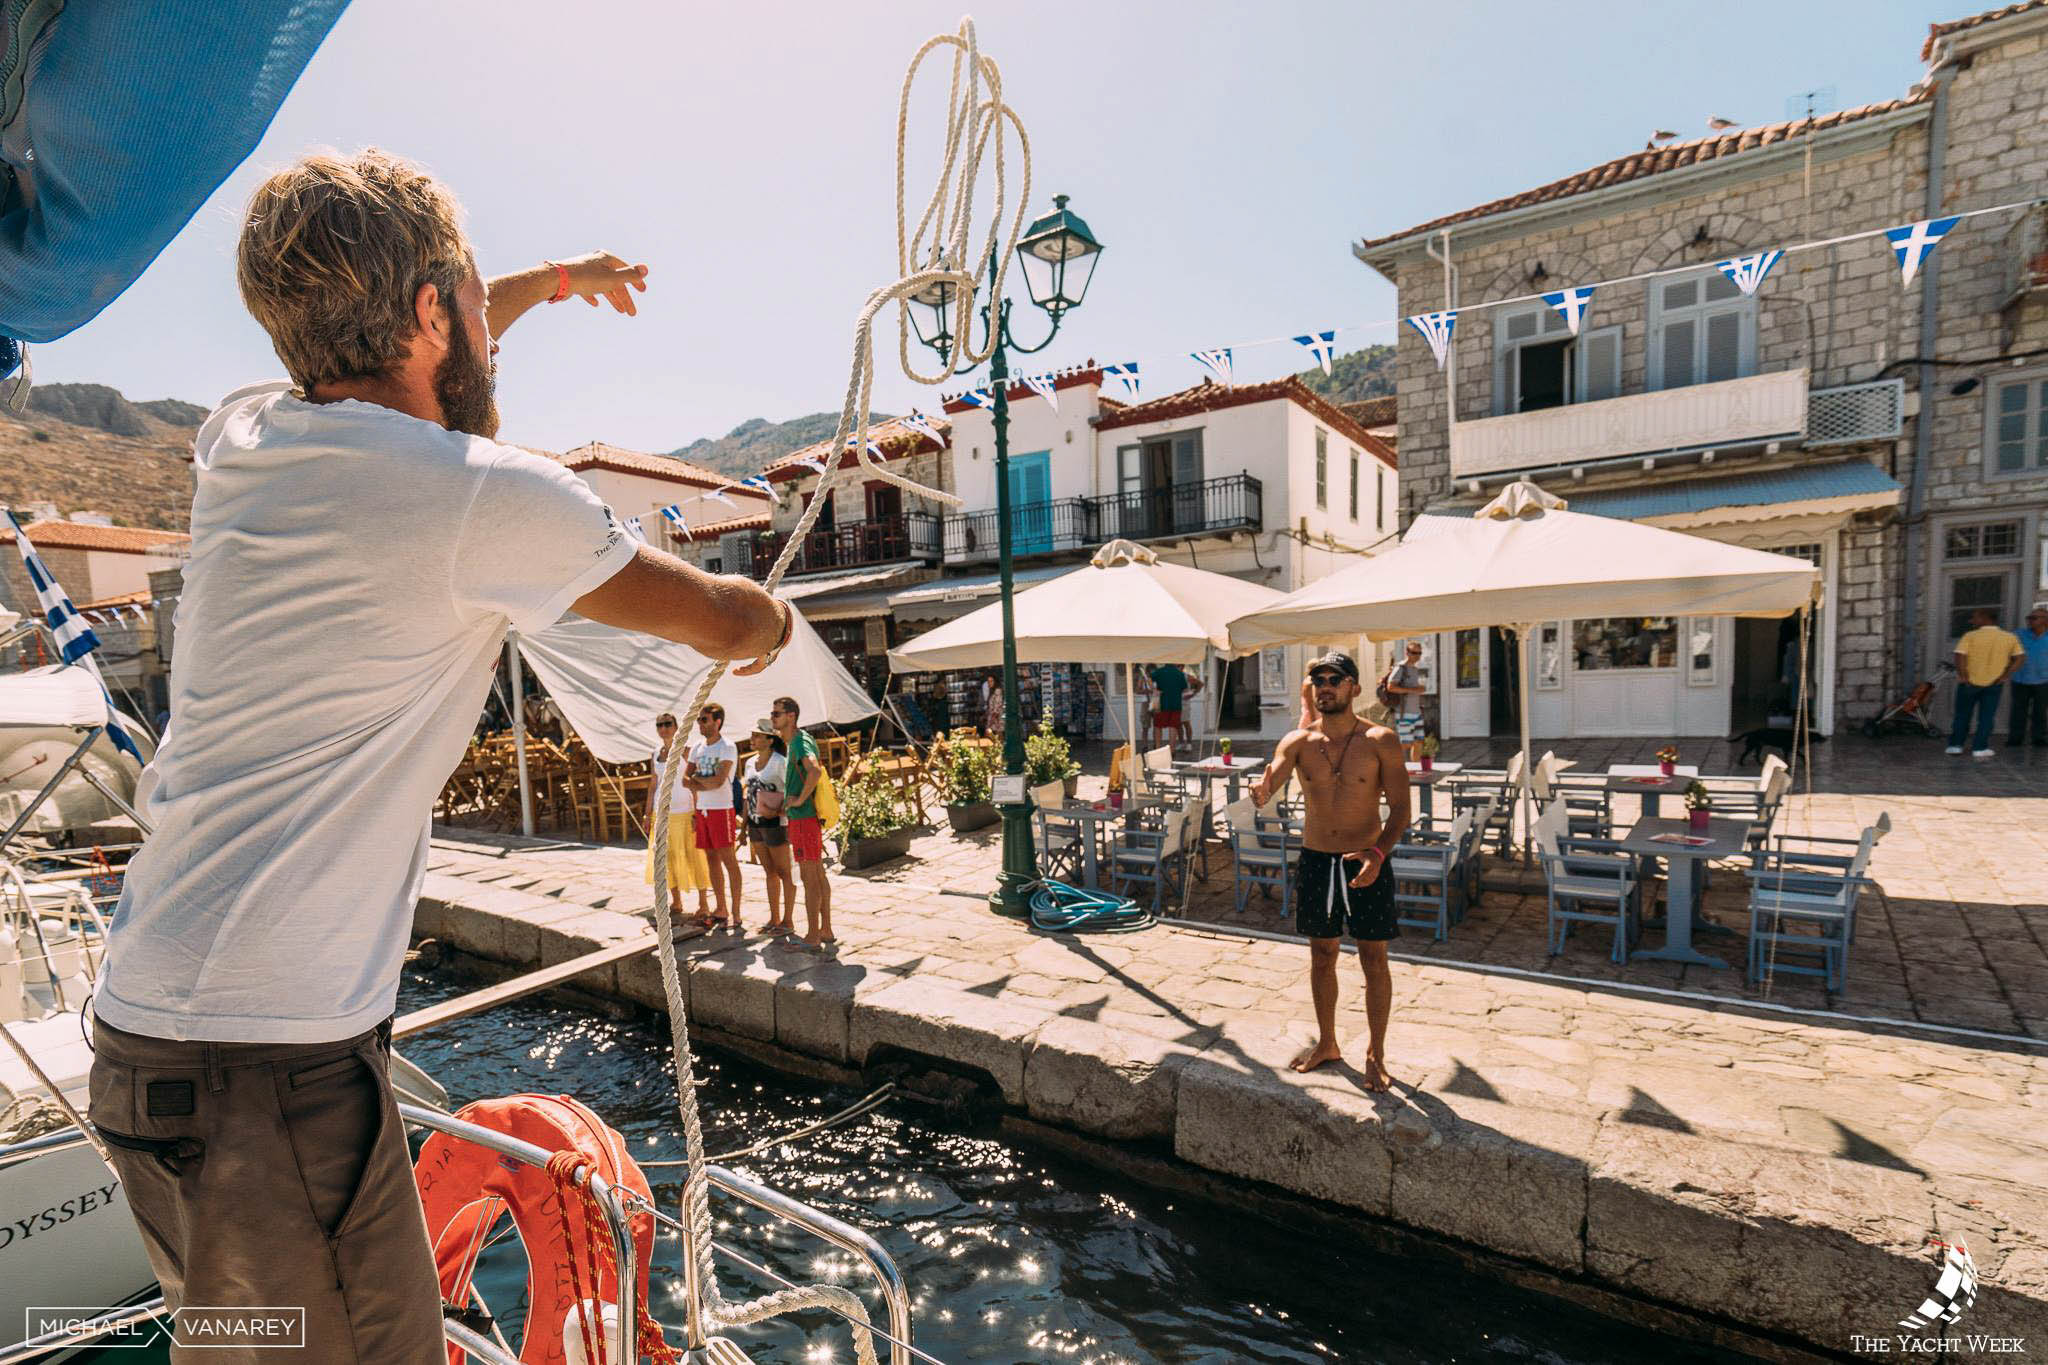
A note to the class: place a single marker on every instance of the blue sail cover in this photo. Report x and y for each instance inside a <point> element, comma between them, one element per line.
<point>117,119</point>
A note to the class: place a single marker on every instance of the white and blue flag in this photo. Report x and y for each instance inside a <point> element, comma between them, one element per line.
<point>980,398</point>
<point>817,462</point>
<point>718,495</point>
<point>1571,305</point>
<point>1747,272</point>
<point>1321,345</point>
<point>75,640</point>
<point>636,530</point>
<point>758,485</point>
<point>673,515</point>
<point>1125,374</point>
<point>1216,360</point>
<point>1436,329</point>
<point>922,425</point>
<point>1913,243</point>
<point>1043,386</point>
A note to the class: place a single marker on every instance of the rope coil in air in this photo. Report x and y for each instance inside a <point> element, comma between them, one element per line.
<point>936,252</point>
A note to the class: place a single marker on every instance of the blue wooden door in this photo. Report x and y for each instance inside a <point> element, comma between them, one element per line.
<point>1031,503</point>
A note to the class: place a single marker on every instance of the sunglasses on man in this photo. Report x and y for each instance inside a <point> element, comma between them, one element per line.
<point>1326,679</point>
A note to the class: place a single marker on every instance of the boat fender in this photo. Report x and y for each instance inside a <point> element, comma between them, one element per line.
<point>464,1186</point>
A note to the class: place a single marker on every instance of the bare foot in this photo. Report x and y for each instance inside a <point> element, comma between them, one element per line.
<point>1377,1077</point>
<point>1312,1057</point>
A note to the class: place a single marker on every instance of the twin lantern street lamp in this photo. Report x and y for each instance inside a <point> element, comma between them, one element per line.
<point>1057,254</point>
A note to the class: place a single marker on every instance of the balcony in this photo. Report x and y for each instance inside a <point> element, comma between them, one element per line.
<point>1731,413</point>
<point>906,537</point>
<point>1235,503</point>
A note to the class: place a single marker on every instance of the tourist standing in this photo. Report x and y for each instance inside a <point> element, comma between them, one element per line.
<point>688,869</point>
<point>2030,683</point>
<point>1404,684</point>
<point>1347,765</point>
<point>805,770</point>
<point>712,761</point>
<point>241,1069</point>
<point>1173,687</point>
<point>1985,657</point>
<point>764,782</point>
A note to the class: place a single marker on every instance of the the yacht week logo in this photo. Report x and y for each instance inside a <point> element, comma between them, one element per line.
<point>1954,1293</point>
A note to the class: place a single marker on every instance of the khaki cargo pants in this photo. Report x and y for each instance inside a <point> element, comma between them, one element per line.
<point>274,1176</point>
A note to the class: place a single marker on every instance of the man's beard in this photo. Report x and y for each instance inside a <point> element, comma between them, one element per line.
<point>467,386</point>
<point>1330,706</point>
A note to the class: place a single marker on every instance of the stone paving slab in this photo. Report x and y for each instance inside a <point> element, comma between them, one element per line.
<point>1785,1171</point>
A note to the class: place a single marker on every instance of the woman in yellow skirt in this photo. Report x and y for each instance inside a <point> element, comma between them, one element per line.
<point>687,868</point>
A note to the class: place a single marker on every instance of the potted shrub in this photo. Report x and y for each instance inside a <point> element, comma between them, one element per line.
<point>1667,759</point>
<point>1426,751</point>
<point>873,826</point>
<point>1698,804</point>
<point>967,771</point>
<point>1048,759</point>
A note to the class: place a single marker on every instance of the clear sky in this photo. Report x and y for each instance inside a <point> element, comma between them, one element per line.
<point>1227,154</point>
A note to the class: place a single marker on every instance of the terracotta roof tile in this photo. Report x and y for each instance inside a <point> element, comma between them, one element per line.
<point>598,455</point>
<point>895,439</point>
<point>1936,32</point>
<point>126,599</point>
<point>72,535</point>
<point>1653,160</point>
<point>1211,397</point>
<point>757,522</point>
<point>1372,412</point>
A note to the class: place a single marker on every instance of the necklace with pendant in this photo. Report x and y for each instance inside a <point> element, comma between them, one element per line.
<point>1337,763</point>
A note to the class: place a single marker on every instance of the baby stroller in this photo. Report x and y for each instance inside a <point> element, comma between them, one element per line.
<point>1914,715</point>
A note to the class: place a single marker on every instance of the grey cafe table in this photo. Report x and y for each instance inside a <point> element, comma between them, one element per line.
<point>1209,769</point>
<point>1098,818</point>
<point>1427,780</point>
<point>1724,838</point>
<point>1648,781</point>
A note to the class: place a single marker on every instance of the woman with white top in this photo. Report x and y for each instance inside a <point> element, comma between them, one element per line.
<point>767,831</point>
<point>687,868</point>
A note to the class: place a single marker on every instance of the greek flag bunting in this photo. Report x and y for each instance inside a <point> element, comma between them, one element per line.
<point>673,515</point>
<point>817,462</point>
<point>1042,385</point>
<point>1747,272</point>
<point>718,495</point>
<point>1436,330</point>
<point>980,398</point>
<point>1321,345</point>
<point>758,485</point>
<point>636,530</point>
<point>1913,243</point>
<point>1125,374</point>
<point>1571,305</point>
<point>922,425</point>
<point>1216,360</point>
<point>74,637</point>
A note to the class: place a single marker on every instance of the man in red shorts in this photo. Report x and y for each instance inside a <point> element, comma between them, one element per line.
<point>806,833</point>
<point>710,761</point>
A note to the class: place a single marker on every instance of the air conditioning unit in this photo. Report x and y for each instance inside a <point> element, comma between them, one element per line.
<point>1856,413</point>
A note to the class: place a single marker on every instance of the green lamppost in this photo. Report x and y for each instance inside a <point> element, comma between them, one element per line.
<point>1057,254</point>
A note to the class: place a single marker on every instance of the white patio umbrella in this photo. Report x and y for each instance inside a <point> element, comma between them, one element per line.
<point>1523,559</point>
<point>1125,606</point>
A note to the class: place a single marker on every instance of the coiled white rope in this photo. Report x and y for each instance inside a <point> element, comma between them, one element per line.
<point>935,253</point>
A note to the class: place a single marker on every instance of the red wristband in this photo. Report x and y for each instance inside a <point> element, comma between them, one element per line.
<point>561,282</point>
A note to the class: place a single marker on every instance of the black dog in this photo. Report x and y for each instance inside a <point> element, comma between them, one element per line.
<point>1767,737</point>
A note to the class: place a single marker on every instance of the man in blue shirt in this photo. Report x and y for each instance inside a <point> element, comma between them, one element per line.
<point>2030,683</point>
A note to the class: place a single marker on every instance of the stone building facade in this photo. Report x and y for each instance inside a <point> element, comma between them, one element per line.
<point>1805,418</point>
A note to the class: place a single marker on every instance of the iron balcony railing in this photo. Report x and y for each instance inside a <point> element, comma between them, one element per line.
<point>902,538</point>
<point>1234,503</point>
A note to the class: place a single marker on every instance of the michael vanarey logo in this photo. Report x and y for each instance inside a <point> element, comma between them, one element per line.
<point>1954,1294</point>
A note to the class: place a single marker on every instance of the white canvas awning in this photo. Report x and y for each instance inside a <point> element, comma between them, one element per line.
<point>611,684</point>
<point>44,714</point>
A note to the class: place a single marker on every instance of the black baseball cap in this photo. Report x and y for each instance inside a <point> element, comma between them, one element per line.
<point>1336,659</point>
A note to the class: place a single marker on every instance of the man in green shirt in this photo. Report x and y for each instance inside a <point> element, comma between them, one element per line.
<point>804,771</point>
<point>1173,685</point>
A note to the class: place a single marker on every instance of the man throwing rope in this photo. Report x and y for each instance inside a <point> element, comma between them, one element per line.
<point>360,545</point>
<point>1341,881</point>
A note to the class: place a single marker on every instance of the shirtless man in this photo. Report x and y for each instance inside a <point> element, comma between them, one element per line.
<point>1346,766</point>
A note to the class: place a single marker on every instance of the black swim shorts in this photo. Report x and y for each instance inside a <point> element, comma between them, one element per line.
<point>1326,905</point>
<point>767,833</point>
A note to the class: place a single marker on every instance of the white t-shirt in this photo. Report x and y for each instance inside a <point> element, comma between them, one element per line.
<point>767,775</point>
<point>681,800</point>
<point>352,576</point>
<point>704,760</point>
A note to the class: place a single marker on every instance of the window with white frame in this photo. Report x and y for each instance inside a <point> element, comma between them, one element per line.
<point>1702,331</point>
<point>1981,562</point>
<point>2017,425</point>
<point>1538,363</point>
<point>1354,486</point>
<point>1322,469</point>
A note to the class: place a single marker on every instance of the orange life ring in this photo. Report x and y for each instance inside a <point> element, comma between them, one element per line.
<point>463,1186</point>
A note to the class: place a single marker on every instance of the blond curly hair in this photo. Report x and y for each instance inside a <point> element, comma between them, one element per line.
<point>333,251</point>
